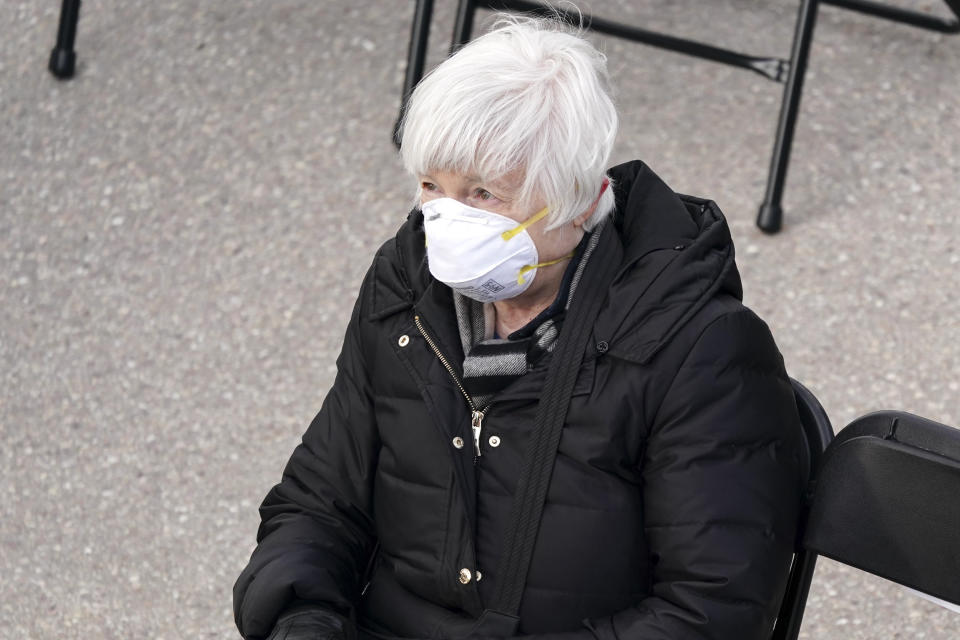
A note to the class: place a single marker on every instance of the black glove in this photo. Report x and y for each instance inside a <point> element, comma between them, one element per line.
<point>309,622</point>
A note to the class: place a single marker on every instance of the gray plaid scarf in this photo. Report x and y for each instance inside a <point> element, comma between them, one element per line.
<point>492,363</point>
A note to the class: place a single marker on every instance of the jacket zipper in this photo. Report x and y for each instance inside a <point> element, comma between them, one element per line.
<point>476,415</point>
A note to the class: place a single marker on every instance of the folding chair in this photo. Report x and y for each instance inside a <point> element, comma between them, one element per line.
<point>885,500</point>
<point>791,72</point>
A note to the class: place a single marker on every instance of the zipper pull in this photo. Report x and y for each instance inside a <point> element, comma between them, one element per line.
<point>476,423</point>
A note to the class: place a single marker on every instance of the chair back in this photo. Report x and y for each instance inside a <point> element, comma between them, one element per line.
<point>817,430</point>
<point>817,434</point>
<point>884,499</point>
<point>887,501</point>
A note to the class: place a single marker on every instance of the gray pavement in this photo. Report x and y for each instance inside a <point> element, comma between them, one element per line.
<point>183,227</point>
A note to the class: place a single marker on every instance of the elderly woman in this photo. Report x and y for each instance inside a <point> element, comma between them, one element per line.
<point>553,415</point>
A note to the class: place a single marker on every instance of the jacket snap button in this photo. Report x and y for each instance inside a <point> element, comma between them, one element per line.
<point>479,576</point>
<point>458,442</point>
<point>602,346</point>
<point>494,442</point>
<point>465,576</point>
<point>404,340</point>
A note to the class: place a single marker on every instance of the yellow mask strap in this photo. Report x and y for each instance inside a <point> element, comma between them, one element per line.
<point>509,235</point>
<point>531,267</point>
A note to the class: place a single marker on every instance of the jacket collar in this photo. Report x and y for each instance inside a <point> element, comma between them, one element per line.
<point>674,252</point>
<point>401,280</point>
<point>677,254</point>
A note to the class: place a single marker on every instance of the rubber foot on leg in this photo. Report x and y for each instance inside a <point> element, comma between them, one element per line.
<point>770,218</point>
<point>63,63</point>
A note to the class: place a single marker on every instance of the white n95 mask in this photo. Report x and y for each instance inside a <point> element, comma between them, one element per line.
<point>483,255</point>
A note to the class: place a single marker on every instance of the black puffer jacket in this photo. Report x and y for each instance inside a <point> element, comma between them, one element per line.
<point>675,493</point>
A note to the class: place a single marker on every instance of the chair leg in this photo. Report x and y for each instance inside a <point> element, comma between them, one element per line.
<point>794,602</point>
<point>770,217</point>
<point>63,58</point>
<point>416,57</point>
<point>463,24</point>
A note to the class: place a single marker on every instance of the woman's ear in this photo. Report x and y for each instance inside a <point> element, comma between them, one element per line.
<point>583,217</point>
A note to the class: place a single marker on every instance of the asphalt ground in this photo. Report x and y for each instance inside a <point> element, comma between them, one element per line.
<point>183,227</point>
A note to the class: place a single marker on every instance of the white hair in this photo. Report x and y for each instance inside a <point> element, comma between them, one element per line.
<point>530,95</point>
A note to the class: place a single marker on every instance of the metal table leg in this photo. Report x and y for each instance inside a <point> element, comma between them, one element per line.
<point>463,24</point>
<point>770,217</point>
<point>63,58</point>
<point>416,57</point>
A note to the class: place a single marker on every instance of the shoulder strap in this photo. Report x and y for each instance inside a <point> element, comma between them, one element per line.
<point>551,414</point>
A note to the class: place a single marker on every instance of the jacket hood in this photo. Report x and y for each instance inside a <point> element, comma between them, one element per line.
<point>675,253</point>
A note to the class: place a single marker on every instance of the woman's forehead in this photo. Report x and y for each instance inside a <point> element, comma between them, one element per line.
<point>512,180</point>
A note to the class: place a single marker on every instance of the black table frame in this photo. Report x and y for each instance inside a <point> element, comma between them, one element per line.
<point>790,72</point>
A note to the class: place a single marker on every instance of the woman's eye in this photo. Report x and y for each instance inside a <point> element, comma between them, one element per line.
<point>483,194</point>
<point>428,186</point>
